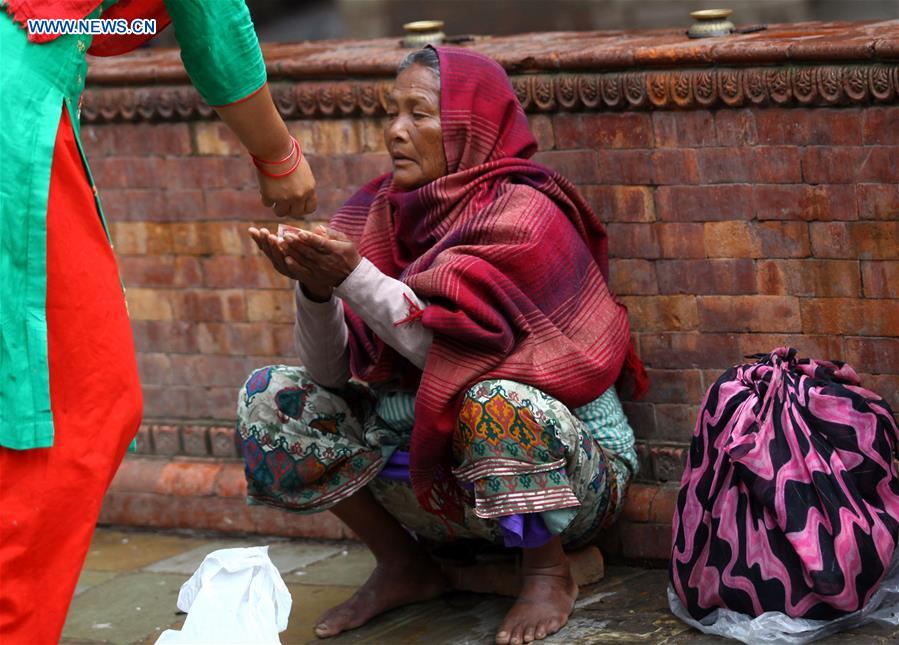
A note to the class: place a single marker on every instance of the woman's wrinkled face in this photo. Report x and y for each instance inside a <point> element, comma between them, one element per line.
<point>413,134</point>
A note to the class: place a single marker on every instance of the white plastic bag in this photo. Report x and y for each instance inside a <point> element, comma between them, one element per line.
<point>236,596</point>
<point>775,627</point>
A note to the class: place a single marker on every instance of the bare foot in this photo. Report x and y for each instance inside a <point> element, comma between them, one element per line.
<point>543,606</point>
<point>391,585</point>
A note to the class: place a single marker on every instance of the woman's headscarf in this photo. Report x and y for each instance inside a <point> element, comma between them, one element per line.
<point>510,259</point>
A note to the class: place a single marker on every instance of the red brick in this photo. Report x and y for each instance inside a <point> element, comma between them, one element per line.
<point>734,239</point>
<point>639,502</point>
<point>706,276</point>
<point>849,165</point>
<point>166,440</point>
<point>216,403</point>
<point>850,316</point>
<point>215,138</point>
<point>778,126</point>
<point>632,241</point>
<point>881,125</point>
<point>694,128</point>
<point>633,277</point>
<point>809,277</point>
<point>208,370</point>
<point>137,138</point>
<point>641,418</point>
<point>578,166</point>
<point>735,127</point>
<point>664,505</point>
<point>783,239</point>
<point>366,166</point>
<point>271,306</point>
<point>231,482</point>
<point>165,402</point>
<point>159,271</point>
<point>675,166</point>
<point>195,172</point>
<point>662,313</point>
<point>674,386</point>
<point>144,441</point>
<point>154,368</point>
<point>808,346</point>
<point>235,205</point>
<point>138,473</point>
<point>862,240</point>
<point>836,127</point>
<point>771,164</point>
<point>188,479</point>
<point>726,165</point>
<point>623,167</point>
<point>675,421</point>
<point>644,459</point>
<point>621,203</point>
<point>873,355</point>
<point>668,462</point>
<point>881,279</point>
<point>603,130</point>
<point>749,313</point>
<point>164,336</point>
<point>643,542</point>
<point>255,272</point>
<point>678,240</point>
<point>237,338</point>
<point>886,386</point>
<point>150,304</point>
<point>541,126</point>
<point>222,442</point>
<point>211,305</point>
<point>878,201</point>
<point>682,350</point>
<point>803,202</point>
<point>195,440</point>
<point>704,203</point>
<point>128,204</point>
<point>183,204</point>
<point>129,172</point>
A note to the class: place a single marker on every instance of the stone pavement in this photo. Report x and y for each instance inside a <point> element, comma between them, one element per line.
<point>129,586</point>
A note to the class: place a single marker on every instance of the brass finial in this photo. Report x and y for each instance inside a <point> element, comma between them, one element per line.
<point>423,32</point>
<point>710,23</point>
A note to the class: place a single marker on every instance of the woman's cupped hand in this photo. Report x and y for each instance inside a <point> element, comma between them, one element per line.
<point>320,260</point>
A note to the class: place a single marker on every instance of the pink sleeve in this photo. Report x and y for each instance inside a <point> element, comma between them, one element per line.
<point>320,335</point>
<point>390,308</point>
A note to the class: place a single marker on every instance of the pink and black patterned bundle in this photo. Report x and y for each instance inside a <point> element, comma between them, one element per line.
<point>790,498</point>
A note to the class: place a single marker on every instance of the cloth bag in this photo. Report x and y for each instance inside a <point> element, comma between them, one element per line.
<point>788,509</point>
<point>235,596</point>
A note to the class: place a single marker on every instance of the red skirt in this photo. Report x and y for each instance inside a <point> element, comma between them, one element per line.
<point>50,498</point>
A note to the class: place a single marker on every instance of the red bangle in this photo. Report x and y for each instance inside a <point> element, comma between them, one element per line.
<point>293,146</point>
<point>293,167</point>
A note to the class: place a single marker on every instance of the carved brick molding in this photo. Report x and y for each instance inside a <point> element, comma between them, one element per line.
<point>644,90</point>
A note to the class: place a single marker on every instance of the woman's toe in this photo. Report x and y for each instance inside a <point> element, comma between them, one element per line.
<point>503,637</point>
<point>541,632</point>
<point>529,634</point>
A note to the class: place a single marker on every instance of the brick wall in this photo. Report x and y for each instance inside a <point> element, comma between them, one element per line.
<point>730,232</point>
<point>734,227</point>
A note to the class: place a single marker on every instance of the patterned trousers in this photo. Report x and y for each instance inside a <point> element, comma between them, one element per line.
<point>516,450</point>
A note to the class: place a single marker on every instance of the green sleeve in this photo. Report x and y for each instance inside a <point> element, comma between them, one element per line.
<point>219,48</point>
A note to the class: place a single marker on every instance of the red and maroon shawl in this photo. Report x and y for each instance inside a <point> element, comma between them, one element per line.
<point>511,260</point>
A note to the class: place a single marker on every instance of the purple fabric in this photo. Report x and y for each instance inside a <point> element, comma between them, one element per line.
<point>526,531</point>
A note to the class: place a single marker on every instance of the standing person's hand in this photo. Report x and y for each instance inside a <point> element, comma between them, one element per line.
<point>287,186</point>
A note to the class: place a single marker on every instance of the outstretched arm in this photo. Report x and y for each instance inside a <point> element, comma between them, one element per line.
<point>221,54</point>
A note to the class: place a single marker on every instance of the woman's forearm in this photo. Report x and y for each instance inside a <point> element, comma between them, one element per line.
<point>256,123</point>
